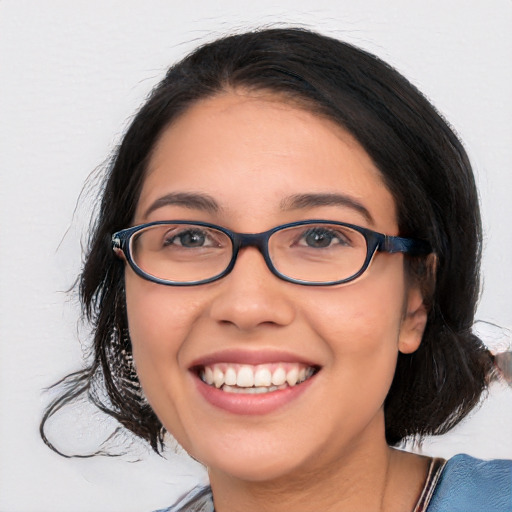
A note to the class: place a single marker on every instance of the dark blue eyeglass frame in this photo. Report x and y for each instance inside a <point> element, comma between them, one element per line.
<point>374,242</point>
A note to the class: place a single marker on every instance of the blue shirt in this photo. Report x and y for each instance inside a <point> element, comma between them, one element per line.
<point>466,484</point>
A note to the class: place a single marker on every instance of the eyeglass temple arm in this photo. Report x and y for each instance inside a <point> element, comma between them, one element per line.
<point>393,244</point>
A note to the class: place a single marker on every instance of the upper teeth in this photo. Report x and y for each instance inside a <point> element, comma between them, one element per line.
<point>262,375</point>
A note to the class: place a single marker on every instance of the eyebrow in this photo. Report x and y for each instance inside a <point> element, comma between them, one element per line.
<point>204,202</point>
<point>191,200</point>
<point>300,201</point>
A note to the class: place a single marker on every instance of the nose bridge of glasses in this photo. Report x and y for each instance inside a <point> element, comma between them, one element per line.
<point>256,240</point>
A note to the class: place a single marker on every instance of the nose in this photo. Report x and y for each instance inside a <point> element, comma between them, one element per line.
<point>251,296</point>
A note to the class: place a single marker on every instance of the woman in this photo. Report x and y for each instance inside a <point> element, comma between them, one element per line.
<point>287,251</point>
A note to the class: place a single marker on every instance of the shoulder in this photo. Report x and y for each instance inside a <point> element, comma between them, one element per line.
<point>473,485</point>
<point>199,499</point>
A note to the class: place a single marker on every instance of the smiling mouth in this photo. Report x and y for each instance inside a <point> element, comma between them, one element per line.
<point>255,379</point>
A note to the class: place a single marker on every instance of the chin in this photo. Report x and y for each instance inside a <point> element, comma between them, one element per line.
<point>256,470</point>
<point>251,461</point>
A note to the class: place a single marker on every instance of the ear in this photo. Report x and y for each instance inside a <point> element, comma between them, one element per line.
<point>413,322</point>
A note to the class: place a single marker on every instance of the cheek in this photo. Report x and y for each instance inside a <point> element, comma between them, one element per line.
<point>158,317</point>
<point>360,326</point>
<point>158,322</point>
<point>360,315</point>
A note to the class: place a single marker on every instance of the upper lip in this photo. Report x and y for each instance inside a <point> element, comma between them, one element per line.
<point>250,357</point>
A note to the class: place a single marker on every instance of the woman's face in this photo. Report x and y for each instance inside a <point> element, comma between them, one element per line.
<point>249,157</point>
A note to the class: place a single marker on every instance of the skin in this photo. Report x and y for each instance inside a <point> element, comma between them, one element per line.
<point>327,446</point>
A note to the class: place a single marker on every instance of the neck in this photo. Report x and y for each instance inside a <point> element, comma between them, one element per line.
<point>359,481</point>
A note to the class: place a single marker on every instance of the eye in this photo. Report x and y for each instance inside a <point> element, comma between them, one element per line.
<point>190,238</point>
<point>320,237</point>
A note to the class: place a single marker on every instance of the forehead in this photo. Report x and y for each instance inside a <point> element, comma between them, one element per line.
<point>252,150</point>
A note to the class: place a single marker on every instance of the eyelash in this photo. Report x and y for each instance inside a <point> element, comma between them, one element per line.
<point>332,234</point>
<point>170,238</point>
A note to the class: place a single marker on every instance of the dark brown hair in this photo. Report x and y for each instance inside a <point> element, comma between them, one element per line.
<point>422,162</point>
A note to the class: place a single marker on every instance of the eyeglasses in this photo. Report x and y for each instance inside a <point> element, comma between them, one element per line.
<point>310,252</point>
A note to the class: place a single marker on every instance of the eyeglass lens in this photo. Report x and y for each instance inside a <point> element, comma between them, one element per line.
<point>188,252</point>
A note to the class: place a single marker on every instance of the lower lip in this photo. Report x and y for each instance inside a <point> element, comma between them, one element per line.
<point>250,403</point>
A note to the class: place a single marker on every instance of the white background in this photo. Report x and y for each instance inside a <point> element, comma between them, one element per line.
<point>71,74</point>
